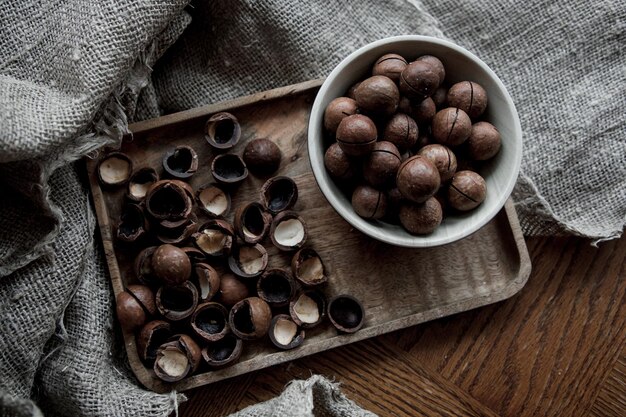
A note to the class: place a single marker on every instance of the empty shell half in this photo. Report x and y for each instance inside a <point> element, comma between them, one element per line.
<point>214,238</point>
<point>180,162</point>
<point>228,169</point>
<point>279,194</point>
<point>178,302</point>
<point>252,222</point>
<point>222,130</point>
<point>248,261</point>
<point>284,332</point>
<point>308,308</point>
<point>140,182</point>
<point>308,268</point>
<point>114,168</point>
<point>213,200</point>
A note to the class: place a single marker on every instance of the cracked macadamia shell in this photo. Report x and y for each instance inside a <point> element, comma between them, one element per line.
<point>114,169</point>
<point>288,231</point>
<point>250,318</point>
<point>284,332</point>
<point>308,268</point>
<point>213,200</point>
<point>308,308</point>
<point>248,261</point>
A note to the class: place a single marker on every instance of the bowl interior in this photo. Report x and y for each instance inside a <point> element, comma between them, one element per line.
<point>500,173</point>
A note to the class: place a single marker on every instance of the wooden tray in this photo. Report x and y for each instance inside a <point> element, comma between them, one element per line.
<point>398,287</point>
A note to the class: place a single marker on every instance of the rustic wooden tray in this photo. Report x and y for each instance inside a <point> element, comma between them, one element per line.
<point>398,287</point>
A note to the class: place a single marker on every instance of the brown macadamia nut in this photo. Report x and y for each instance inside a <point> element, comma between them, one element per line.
<point>422,218</point>
<point>422,112</point>
<point>484,141</point>
<point>402,131</point>
<point>381,165</point>
<point>377,95</point>
<point>439,98</point>
<point>419,80</point>
<point>390,65</point>
<point>369,202</point>
<point>451,126</point>
<point>356,135</point>
<point>336,111</point>
<point>467,190</point>
<point>352,89</point>
<point>418,179</point>
<point>443,159</point>
<point>262,156</point>
<point>338,164</point>
<point>436,64</point>
<point>468,96</point>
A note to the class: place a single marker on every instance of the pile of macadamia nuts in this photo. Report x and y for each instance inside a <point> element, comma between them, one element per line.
<point>407,146</point>
<point>202,287</point>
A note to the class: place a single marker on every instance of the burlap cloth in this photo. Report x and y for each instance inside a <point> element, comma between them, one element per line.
<point>73,73</point>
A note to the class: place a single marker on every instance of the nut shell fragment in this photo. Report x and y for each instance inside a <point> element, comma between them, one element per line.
<point>308,308</point>
<point>222,130</point>
<point>276,287</point>
<point>288,231</point>
<point>114,169</point>
<point>284,332</point>
<point>250,318</point>
<point>346,313</point>
<point>210,321</point>
<point>177,303</point>
<point>248,261</point>
<point>279,194</point>
<point>180,162</point>
<point>214,238</point>
<point>177,358</point>
<point>213,200</point>
<point>252,222</point>
<point>308,268</point>
<point>223,352</point>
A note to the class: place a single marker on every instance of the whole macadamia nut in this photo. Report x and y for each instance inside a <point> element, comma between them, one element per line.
<point>439,98</point>
<point>467,190</point>
<point>356,135</point>
<point>338,164</point>
<point>436,64</point>
<point>418,179</point>
<point>443,159</point>
<point>368,202</point>
<point>336,111</point>
<point>377,95</point>
<point>171,265</point>
<point>262,156</point>
<point>419,80</point>
<point>402,131</point>
<point>484,141</point>
<point>381,165</point>
<point>451,126</point>
<point>468,96</point>
<point>389,65</point>
<point>421,218</point>
<point>352,89</point>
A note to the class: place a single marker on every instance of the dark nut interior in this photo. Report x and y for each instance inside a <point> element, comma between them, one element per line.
<point>223,352</point>
<point>252,222</point>
<point>180,162</point>
<point>222,130</point>
<point>276,287</point>
<point>168,200</point>
<point>250,318</point>
<point>152,335</point>
<point>279,193</point>
<point>346,313</point>
<point>210,321</point>
<point>177,303</point>
<point>132,225</point>
<point>228,169</point>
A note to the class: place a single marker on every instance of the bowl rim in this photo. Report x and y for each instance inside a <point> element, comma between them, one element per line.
<point>365,226</point>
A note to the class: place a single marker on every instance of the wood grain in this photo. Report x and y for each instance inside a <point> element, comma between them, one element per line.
<point>558,348</point>
<point>398,287</point>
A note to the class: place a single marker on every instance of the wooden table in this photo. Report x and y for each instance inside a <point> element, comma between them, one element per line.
<point>558,348</point>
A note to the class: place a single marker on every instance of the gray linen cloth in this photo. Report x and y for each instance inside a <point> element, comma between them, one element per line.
<point>73,73</point>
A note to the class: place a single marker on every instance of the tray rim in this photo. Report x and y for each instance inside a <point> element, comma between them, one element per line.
<point>150,382</point>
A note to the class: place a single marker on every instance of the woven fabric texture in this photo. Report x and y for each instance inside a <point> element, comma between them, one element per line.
<point>73,73</point>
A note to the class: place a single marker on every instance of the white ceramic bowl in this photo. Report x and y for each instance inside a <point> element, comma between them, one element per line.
<point>500,173</point>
